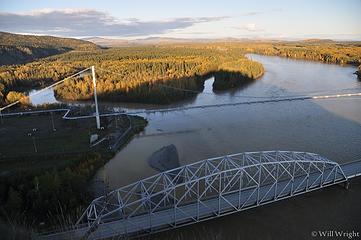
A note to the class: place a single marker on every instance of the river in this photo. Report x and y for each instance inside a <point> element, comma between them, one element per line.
<point>331,127</point>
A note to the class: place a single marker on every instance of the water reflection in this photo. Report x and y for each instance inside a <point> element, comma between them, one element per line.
<point>305,77</point>
<point>164,159</point>
<point>322,127</point>
<point>38,97</point>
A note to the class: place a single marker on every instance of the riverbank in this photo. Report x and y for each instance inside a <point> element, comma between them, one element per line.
<point>151,74</point>
<point>315,50</point>
<point>358,72</point>
<point>200,133</point>
<point>237,73</point>
<point>47,163</point>
<point>329,127</point>
<point>132,74</point>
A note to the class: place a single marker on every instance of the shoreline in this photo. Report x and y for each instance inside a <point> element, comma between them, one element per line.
<point>82,165</point>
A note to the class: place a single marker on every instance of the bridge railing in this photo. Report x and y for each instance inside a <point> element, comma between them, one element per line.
<point>217,177</point>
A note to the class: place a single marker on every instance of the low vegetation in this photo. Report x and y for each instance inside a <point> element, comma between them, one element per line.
<point>44,173</point>
<point>46,165</point>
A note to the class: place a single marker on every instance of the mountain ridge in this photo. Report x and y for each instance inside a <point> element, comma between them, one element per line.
<point>19,49</point>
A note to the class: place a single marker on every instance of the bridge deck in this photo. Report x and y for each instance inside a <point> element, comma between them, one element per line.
<point>352,169</point>
<point>217,206</point>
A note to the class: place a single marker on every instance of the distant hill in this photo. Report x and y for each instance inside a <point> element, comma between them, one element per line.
<point>113,42</point>
<point>116,42</point>
<point>107,42</point>
<point>18,49</point>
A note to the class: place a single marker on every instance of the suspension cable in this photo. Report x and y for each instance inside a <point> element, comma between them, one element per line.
<point>240,96</point>
<point>43,89</point>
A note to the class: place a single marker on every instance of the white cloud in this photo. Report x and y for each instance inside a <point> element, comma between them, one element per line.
<point>250,27</point>
<point>88,22</point>
<point>252,13</point>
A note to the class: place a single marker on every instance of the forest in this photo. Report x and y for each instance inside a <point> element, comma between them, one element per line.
<point>145,74</point>
<point>149,74</point>
<point>327,51</point>
<point>49,187</point>
<point>19,49</point>
<point>135,74</point>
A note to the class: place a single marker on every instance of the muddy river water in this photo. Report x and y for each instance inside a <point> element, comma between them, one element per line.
<point>331,127</point>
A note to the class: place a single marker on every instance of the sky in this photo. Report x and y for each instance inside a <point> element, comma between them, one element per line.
<point>275,19</point>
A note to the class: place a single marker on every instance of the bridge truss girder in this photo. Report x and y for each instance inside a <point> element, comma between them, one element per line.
<point>214,187</point>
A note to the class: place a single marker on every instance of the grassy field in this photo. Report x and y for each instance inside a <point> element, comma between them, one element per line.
<point>20,134</point>
<point>30,141</point>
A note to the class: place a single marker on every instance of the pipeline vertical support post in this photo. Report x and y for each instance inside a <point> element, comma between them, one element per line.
<point>1,117</point>
<point>34,144</point>
<point>95,98</point>
<point>52,121</point>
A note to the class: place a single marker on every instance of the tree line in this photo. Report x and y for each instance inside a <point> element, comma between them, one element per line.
<point>19,49</point>
<point>138,74</point>
<point>129,74</point>
<point>52,188</point>
<point>323,51</point>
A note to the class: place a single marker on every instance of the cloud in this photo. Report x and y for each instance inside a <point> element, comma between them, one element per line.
<point>252,13</point>
<point>88,22</point>
<point>277,10</point>
<point>255,13</point>
<point>250,27</point>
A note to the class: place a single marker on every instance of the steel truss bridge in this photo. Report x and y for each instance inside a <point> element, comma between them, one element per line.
<point>206,189</point>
